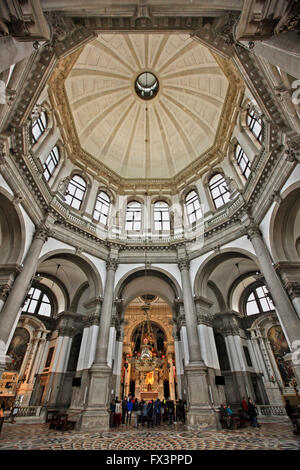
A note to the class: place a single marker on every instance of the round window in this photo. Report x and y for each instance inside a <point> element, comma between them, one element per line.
<point>146,85</point>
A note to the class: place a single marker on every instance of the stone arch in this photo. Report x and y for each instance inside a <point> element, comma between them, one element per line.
<point>284,220</point>
<point>12,230</point>
<point>86,267</point>
<point>215,260</point>
<point>167,281</point>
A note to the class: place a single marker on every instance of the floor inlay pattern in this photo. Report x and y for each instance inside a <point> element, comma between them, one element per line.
<point>270,436</point>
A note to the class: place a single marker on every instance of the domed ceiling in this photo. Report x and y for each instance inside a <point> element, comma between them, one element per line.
<point>146,138</point>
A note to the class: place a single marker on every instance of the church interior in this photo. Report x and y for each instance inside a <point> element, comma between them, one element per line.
<point>149,208</point>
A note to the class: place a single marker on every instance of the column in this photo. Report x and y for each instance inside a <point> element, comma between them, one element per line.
<point>200,410</point>
<point>105,321</point>
<point>171,376</point>
<point>287,315</point>
<point>96,415</point>
<point>15,299</point>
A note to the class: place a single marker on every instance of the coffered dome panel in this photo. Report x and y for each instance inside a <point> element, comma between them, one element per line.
<point>146,138</point>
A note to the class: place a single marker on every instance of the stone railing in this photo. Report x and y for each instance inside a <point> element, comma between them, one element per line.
<point>29,411</point>
<point>271,410</point>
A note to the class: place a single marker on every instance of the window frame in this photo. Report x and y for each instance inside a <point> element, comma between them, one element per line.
<point>42,126</point>
<point>192,203</point>
<point>39,301</point>
<point>221,194</point>
<point>252,119</point>
<point>73,196</point>
<point>134,220</point>
<point>257,299</point>
<point>52,158</point>
<point>103,203</point>
<point>161,221</point>
<point>240,155</point>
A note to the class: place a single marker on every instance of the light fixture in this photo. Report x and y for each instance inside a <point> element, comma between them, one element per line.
<point>145,358</point>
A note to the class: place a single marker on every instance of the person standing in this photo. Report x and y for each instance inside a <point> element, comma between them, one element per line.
<point>136,412</point>
<point>229,413</point>
<point>124,409</point>
<point>157,411</point>
<point>129,410</point>
<point>252,414</point>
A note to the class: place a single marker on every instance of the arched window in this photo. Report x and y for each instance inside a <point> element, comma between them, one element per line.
<point>51,162</point>
<point>259,301</point>
<point>255,125</point>
<point>38,303</point>
<point>161,216</point>
<point>192,205</point>
<point>133,216</point>
<point>76,192</point>
<point>243,161</point>
<point>39,126</point>
<point>218,190</point>
<point>102,207</point>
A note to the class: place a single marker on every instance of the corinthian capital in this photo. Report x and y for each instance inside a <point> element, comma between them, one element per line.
<point>253,231</point>
<point>112,263</point>
<point>183,263</point>
<point>42,232</point>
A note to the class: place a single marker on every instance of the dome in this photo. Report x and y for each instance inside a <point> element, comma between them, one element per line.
<point>138,136</point>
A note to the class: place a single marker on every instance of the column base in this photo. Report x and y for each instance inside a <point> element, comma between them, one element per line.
<point>201,414</point>
<point>96,415</point>
<point>94,420</point>
<point>202,418</point>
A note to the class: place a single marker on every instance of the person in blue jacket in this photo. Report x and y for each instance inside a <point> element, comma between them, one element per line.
<point>129,410</point>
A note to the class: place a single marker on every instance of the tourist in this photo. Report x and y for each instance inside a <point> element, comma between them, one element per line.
<point>144,413</point>
<point>183,410</point>
<point>252,414</point>
<point>150,411</point>
<point>136,411</point>
<point>229,413</point>
<point>170,407</point>
<point>124,409</point>
<point>157,411</point>
<point>129,410</point>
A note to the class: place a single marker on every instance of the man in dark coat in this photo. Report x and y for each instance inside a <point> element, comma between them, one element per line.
<point>252,414</point>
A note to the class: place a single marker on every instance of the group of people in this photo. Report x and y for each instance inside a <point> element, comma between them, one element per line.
<point>249,410</point>
<point>151,413</point>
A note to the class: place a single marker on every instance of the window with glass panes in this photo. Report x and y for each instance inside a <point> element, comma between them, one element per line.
<point>76,192</point>
<point>161,216</point>
<point>192,205</point>
<point>243,161</point>
<point>254,123</point>
<point>218,190</point>
<point>102,208</point>
<point>133,216</point>
<point>38,303</point>
<point>39,126</point>
<point>259,301</point>
<point>51,163</point>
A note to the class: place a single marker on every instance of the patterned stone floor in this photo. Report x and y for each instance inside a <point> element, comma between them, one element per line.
<point>270,436</point>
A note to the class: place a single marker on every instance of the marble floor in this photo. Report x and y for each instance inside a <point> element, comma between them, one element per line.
<point>270,436</point>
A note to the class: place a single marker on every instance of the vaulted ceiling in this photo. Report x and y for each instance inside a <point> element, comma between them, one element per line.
<point>146,139</point>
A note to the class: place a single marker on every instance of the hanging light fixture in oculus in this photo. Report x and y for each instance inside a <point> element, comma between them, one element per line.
<point>146,85</point>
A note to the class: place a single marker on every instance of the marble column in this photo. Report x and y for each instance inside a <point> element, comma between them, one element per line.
<point>15,299</point>
<point>96,415</point>
<point>287,315</point>
<point>200,414</point>
<point>171,376</point>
